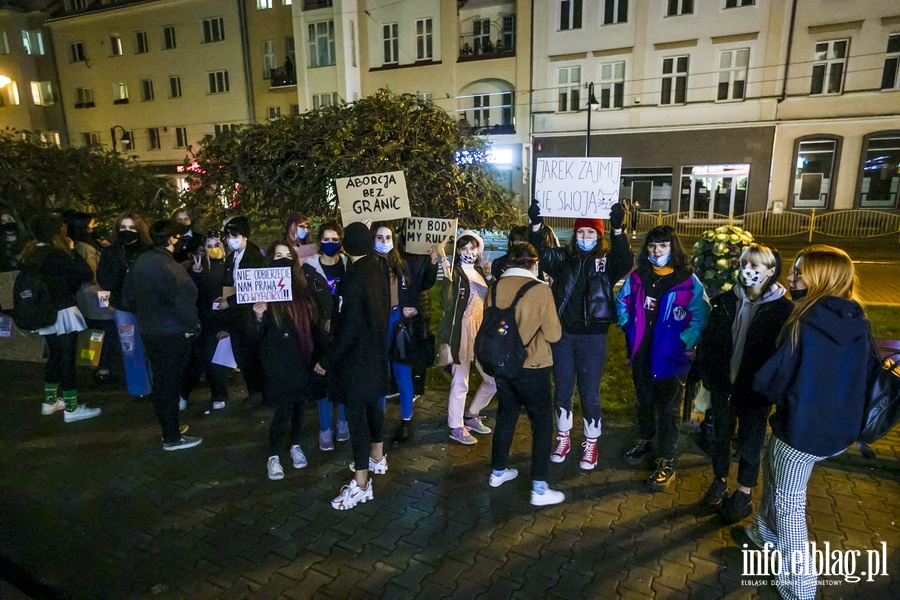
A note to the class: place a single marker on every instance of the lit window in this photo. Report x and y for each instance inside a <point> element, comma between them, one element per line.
<point>175,87</point>
<point>263,4</point>
<point>76,52</point>
<point>391,43</point>
<point>674,81</point>
<point>218,82</point>
<point>141,44</point>
<point>181,137</point>
<point>33,42</point>
<point>615,11</point>
<point>424,40</point>
<point>482,113</point>
<point>12,93</point>
<point>321,44</point>
<point>147,90</point>
<point>569,89</point>
<point>813,172</point>
<point>268,58</point>
<point>830,60</point>
<point>881,171</point>
<point>612,85</point>
<point>115,45</point>
<point>42,93</point>
<point>679,7</point>
<point>213,30</point>
<point>570,14</point>
<point>733,74</point>
<point>169,37</point>
<point>890,76</point>
<point>120,93</point>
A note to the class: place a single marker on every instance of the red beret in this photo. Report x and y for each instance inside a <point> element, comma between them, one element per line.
<point>595,224</point>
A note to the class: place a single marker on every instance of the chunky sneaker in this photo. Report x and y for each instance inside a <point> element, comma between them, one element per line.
<point>736,508</point>
<point>403,433</point>
<point>218,405</point>
<point>297,457</point>
<point>563,445</point>
<point>182,403</point>
<point>713,497</point>
<point>662,476</point>
<point>273,467</point>
<point>351,495</point>
<point>476,425</point>
<point>185,442</point>
<point>53,407</point>
<point>81,413</point>
<point>589,456</point>
<point>326,444</point>
<point>378,468</point>
<point>507,475</point>
<point>636,456</point>
<point>343,430</point>
<point>547,497</point>
<point>461,435</point>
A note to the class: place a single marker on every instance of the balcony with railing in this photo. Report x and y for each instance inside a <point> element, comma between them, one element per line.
<point>488,38</point>
<point>282,77</point>
<point>490,113</point>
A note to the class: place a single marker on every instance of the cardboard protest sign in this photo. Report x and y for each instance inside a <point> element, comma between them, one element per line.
<point>379,197</point>
<point>577,187</point>
<point>422,233</point>
<point>7,280</point>
<point>263,285</point>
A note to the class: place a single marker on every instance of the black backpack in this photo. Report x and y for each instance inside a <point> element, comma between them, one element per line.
<point>33,307</point>
<point>498,346</point>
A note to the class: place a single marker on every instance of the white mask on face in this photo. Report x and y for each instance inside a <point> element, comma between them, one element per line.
<point>750,278</point>
<point>235,244</point>
<point>660,261</point>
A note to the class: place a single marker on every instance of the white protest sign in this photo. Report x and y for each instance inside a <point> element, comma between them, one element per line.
<point>577,187</point>
<point>263,285</point>
<point>422,233</point>
<point>379,197</point>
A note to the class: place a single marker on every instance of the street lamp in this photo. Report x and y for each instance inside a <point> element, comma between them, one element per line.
<point>592,100</point>
<point>126,137</point>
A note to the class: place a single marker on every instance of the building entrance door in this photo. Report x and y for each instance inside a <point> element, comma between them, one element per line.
<point>717,192</point>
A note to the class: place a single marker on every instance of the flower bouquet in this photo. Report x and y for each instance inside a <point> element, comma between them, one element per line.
<point>716,257</point>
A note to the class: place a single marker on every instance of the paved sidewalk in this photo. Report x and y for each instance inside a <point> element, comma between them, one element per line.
<point>96,509</point>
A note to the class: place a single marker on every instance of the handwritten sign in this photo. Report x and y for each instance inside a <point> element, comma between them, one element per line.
<point>380,197</point>
<point>263,285</point>
<point>422,233</point>
<point>577,187</point>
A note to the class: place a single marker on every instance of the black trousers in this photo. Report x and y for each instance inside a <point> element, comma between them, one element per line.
<point>202,351</point>
<point>168,355</point>
<point>658,403</point>
<point>60,367</point>
<point>287,410</point>
<point>531,390</point>
<point>365,419</point>
<point>751,436</point>
<point>246,355</point>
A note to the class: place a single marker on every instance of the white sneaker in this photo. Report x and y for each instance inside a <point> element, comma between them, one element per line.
<point>326,443</point>
<point>298,458</point>
<point>351,495</point>
<point>378,468</point>
<point>218,405</point>
<point>273,468</point>
<point>49,409</point>
<point>182,403</point>
<point>498,480</point>
<point>547,498</point>
<point>81,413</point>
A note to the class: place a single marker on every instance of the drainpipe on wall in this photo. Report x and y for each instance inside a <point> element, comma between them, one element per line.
<point>787,59</point>
<point>531,156</point>
<point>245,50</point>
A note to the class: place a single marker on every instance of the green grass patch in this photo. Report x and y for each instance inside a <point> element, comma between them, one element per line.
<point>885,321</point>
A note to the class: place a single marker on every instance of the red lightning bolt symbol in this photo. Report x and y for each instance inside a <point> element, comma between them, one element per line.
<point>281,284</point>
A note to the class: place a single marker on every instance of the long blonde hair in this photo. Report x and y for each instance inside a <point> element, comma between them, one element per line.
<point>826,271</point>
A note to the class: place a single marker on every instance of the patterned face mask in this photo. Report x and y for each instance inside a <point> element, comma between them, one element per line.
<point>468,258</point>
<point>750,278</point>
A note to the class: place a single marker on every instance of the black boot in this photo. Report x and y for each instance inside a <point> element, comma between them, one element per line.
<point>736,508</point>
<point>642,449</point>
<point>714,496</point>
<point>662,476</point>
<point>403,433</point>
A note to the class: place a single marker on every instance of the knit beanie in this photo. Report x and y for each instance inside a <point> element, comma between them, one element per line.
<point>238,226</point>
<point>595,224</point>
<point>44,227</point>
<point>358,239</point>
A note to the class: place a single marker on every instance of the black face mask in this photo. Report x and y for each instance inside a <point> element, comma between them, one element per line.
<point>798,295</point>
<point>128,237</point>
<point>10,228</point>
<point>282,262</point>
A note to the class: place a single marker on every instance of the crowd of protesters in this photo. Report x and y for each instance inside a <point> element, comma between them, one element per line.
<point>164,297</point>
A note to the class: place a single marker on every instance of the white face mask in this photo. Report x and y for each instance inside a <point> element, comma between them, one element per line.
<point>235,244</point>
<point>750,278</point>
<point>384,247</point>
<point>660,261</point>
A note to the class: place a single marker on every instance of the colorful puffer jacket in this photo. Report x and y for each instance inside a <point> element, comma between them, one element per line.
<point>683,311</point>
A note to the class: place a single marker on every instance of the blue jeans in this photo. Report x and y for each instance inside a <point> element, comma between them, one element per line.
<point>579,359</point>
<point>402,374</point>
<point>325,409</point>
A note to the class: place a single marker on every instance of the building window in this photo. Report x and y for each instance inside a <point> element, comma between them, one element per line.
<point>42,93</point>
<point>4,43</point>
<point>890,77</point>
<point>263,4</point>
<point>829,58</point>
<point>295,110</point>
<point>181,137</point>
<point>679,7</point>
<point>481,35</point>
<point>76,52</point>
<point>84,97</point>
<point>274,112</point>
<point>424,40</point>
<point>175,87</point>
<point>880,171</point>
<point>213,30</point>
<point>615,11</point>
<point>33,42</point>
<point>391,43</point>
<point>569,14</point>
<point>268,58</point>
<point>321,44</point>
<point>508,32</point>
<point>141,44</point>
<point>147,90</point>
<point>737,3</point>
<point>291,51</point>
<point>352,43</point>
<point>77,4</point>
<point>323,100</point>
<point>569,89</point>
<point>169,37</point>
<point>115,45</point>
<point>90,140</point>
<point>221,130</point>
<point>218,82</point>
<point>423,96</point>
<point>733,74</point>
<point>482,116</point>
<point>814,173</point>
<point>12,93</point>
<point>674,81</point>
<point>153,138</point>
<point>286,2</point>
<point>120,93</point>
<point>612,85</point>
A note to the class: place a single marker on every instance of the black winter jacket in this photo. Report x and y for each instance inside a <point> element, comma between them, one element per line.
<point>583,285</point>
<point>62,273</point>
<point>209,284</point>
<point>160,293</point>
<point>114,263</point>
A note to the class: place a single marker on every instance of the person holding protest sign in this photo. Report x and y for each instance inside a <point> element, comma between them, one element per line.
<point>463,292</point>
<point>330,264</point>
<point>244,255</point>
<point>298,233</point>
<point>662,309</point>
<point>357,362</point>
<point>584,274</point>
<point>289,335</point>
<point>160,293</point>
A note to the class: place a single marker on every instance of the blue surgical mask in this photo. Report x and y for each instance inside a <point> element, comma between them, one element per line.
<point>330,248</point>
<point>302,232</point>
<point>586,245</point>
<point>661,261</point>
<point>383,248</point>
<point>235,244</point>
